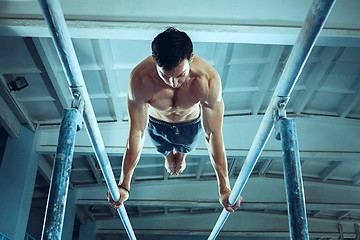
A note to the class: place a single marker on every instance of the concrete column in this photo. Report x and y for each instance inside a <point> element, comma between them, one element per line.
<point>87,232</point>
<point>69,218</point>
<point>17,180</point>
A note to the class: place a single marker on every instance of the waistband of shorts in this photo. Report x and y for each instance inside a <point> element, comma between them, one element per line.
<point>182,124</point>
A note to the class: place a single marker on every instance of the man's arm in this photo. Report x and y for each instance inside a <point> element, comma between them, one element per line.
<point>138,118</point>
<point>212,119</point>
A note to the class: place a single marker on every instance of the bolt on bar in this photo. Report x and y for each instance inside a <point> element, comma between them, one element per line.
<point>61,37</point>
<point>60,178</point>
<point>298,226</point>
<point>315,20</point>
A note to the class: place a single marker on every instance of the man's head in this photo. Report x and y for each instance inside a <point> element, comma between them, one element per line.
<point>170,48</point>
<point>172,53</point>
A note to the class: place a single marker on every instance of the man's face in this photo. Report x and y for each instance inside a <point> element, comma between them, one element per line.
<point>176,77</point>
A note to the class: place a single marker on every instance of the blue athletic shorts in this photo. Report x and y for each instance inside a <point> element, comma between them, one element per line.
<point>183,137</point>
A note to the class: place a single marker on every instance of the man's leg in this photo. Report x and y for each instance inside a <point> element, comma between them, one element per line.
<point>175,162</point>
<point>180,162</point>
<point>170,162</point>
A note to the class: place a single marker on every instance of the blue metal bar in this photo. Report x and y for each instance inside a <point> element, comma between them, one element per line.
<point>29,237</point>
<point>293,180</point>
<point>314,22</point>
<point>55,209</point>
<point>61,37</point>
<point>3,236</point>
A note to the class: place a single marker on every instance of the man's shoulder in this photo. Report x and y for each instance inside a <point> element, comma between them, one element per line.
<point>144,68</point>
<point>207,81</point>
<point>143,72</point>
<point>141,79</point>
<point>206,75</point>
<point>204,70</point>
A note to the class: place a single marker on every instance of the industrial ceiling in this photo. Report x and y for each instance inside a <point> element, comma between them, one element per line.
<point>248,43</point>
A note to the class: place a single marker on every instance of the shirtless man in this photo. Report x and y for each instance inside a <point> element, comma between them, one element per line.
<point>172,94</point>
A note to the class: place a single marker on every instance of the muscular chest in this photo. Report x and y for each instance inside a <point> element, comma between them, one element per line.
<point>173,100</point>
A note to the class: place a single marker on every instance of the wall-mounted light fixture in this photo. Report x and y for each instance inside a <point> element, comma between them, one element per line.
<point>18,84</point>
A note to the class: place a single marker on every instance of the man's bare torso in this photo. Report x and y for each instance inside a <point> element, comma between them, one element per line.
<point>174,104</point>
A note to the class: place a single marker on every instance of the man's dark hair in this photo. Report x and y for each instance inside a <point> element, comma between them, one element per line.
<point>170,47</point>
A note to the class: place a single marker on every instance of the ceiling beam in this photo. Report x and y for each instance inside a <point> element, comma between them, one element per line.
<point>356,178</point>
<point>44,168</point>
<point>265,167</point>
<point>222,57</point>
<point>327,172</point>
<point>310,132</point>
<point>343,214</point>
<point>261,223</point>
<point>50,59</point>
<point>112,234</point>
<point>20,110</point>
<point>320,74</point>
<point>357,231</point>
<point>352,102</point>
<point>234,165</point>
<point>340,227</point>
<point>166,174</point>
<point>344,209</point>
<point>259,190</point>
<point>315,213</point>
<point>103,54</point>
<point>140,211</point>
<point>201,165</point>
<point>257,34</point>
<point>267,77</point>
<point>82,214</point>
<point>113,211</point>
<point>34,54</point>
<point>95,170</point>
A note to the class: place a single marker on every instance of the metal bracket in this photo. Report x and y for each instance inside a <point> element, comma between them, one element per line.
<point>78,103</point>
<point>279,113</point>
<point>357,231</point>
<point>341,232</point>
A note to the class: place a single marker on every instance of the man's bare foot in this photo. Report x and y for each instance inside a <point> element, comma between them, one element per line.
<point>180,163</point>
<point>175,163</point>
<point>170,163</point>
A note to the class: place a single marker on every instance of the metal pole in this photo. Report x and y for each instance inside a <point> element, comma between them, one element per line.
<point>3,236</point>
<point>315,20</point>
<point>293,180</point>
<point>55,209</point>
<point>61,37</point>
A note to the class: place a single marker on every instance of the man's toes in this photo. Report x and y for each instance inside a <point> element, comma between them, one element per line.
<point>183,168</point>
<point>170,168</point>
<point>180,168</point>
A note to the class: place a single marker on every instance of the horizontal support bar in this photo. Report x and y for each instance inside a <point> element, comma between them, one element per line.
<point>279,35</point>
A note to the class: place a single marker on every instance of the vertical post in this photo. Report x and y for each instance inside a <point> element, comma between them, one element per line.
<point>55,209</point>
<point>357,232</point>
<point>17,181</point>
<point>341,232</point>
<point>293,180</point>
